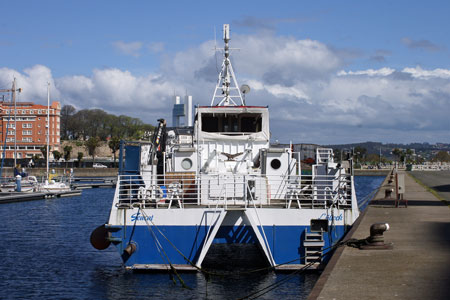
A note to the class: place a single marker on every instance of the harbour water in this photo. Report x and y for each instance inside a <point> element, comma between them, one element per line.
<point>46,254</point>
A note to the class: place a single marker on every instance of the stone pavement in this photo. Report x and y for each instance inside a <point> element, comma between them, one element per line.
<point>418,266</point>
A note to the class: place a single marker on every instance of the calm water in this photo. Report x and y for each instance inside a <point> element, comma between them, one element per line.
<point>46,254</point>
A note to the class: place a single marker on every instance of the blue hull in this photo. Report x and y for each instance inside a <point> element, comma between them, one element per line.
<point>154,244</point>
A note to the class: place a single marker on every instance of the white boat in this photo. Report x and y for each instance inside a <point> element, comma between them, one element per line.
<point>28,184</point>
<point>52,183</point>
<point>55,184</point>
<point>175,204</point>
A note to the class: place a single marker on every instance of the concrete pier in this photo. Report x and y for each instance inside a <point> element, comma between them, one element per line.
<point>418,266</point>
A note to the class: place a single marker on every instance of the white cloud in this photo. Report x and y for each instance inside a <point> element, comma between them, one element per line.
<point>418,72</point>
<point>32,81</point>
<point>132,48</point>
<point>369,72</point>
<point>310,99</point>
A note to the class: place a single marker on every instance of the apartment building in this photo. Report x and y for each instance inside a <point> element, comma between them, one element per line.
<point>28,132</point>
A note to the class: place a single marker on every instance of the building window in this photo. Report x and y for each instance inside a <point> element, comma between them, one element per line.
<point>11,132</point>
<point>23,111</point>
<point>39,111</point>
<point>27,132</point>
<point>9,140</point>
<point>27,139</point>
<point>31,111</point>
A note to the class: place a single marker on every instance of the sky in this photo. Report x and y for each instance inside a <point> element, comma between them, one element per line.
<point>331,72</point>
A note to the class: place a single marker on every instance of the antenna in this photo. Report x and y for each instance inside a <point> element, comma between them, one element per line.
<point>227,87</point>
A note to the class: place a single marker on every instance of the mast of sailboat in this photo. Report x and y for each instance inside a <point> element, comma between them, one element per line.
<point>13,96</point>
<point>15,121</point>
<point>47,125</point>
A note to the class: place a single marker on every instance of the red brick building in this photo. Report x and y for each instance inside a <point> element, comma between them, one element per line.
<point>30,131</point>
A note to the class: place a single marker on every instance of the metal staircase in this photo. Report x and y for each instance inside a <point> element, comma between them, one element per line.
<point>313,244</point>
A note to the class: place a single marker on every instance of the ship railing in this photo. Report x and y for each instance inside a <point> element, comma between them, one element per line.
<point>181,190</point>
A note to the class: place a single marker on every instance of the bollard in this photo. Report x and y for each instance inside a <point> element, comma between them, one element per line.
<point>18,183</point>
<point>376,239</point>
<point>388,193</point>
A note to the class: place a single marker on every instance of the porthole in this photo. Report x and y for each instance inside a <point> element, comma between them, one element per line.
<point>186,163</point>
<point>275,164</point>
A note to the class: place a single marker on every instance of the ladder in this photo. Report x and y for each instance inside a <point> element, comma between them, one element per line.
<point>313,244</point>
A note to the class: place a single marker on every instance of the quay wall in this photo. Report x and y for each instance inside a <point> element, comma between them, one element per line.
<point>373,172</point>
<point>416,267</point>
<point>78,172</point>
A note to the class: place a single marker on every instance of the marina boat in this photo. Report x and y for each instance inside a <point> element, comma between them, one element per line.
<point>55,184</point>
<point>52,183</point>
<point>177,202</point>
<point>28,184</point>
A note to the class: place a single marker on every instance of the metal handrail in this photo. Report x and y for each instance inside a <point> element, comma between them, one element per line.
<point>201,189</point>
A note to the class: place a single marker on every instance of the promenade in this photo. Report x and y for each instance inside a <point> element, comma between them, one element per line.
<point>418,266</point>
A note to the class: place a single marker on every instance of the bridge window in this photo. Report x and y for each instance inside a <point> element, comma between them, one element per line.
<point>232,123</point>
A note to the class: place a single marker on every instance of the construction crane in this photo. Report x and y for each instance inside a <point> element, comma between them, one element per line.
<point>13,91</point>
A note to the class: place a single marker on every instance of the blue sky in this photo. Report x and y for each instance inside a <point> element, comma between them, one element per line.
<point>336,71</point>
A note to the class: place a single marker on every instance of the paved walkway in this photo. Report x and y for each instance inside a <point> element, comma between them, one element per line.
<point>437,180</point>
<point>418,267</point>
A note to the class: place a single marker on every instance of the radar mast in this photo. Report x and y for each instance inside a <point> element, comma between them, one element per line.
<point>230,94</point>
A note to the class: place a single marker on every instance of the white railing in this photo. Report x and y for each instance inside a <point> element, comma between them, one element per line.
<point>181,190</point>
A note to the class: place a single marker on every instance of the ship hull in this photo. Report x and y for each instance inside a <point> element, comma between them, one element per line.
<point>179,236</point>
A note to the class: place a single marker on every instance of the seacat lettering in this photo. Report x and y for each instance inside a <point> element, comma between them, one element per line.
<point>140,217</point>
<point>330,217</point>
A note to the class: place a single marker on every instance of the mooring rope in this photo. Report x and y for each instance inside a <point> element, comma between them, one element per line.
<point>254,295</point>
<point>172,268</point>
<point>222,274</point>
<point>134,226</point>
<point>368,197</point>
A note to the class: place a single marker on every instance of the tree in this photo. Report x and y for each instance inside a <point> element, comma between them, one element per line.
<point>397,153</point>
<point>91,146</point>
<point>67,152</point>
<point>44,152</point>
<point>96,122</point>
<point>442,156</point>
<point>372,158</point>
<point>79,158</point>
<point>67,111</point>
<point>337,155</point>
<point>359,153</point>
<point>114,145</point>
<point>57,155</point>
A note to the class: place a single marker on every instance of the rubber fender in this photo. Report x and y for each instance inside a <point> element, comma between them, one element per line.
<point>100,238</point>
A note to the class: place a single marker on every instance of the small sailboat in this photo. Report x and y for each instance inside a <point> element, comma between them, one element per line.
<point>53,183</point>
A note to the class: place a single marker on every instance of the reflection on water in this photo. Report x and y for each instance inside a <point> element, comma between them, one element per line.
<point>46,254</point>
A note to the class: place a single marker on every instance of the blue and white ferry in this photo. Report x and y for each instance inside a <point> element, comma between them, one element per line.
<point>177,198</point>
